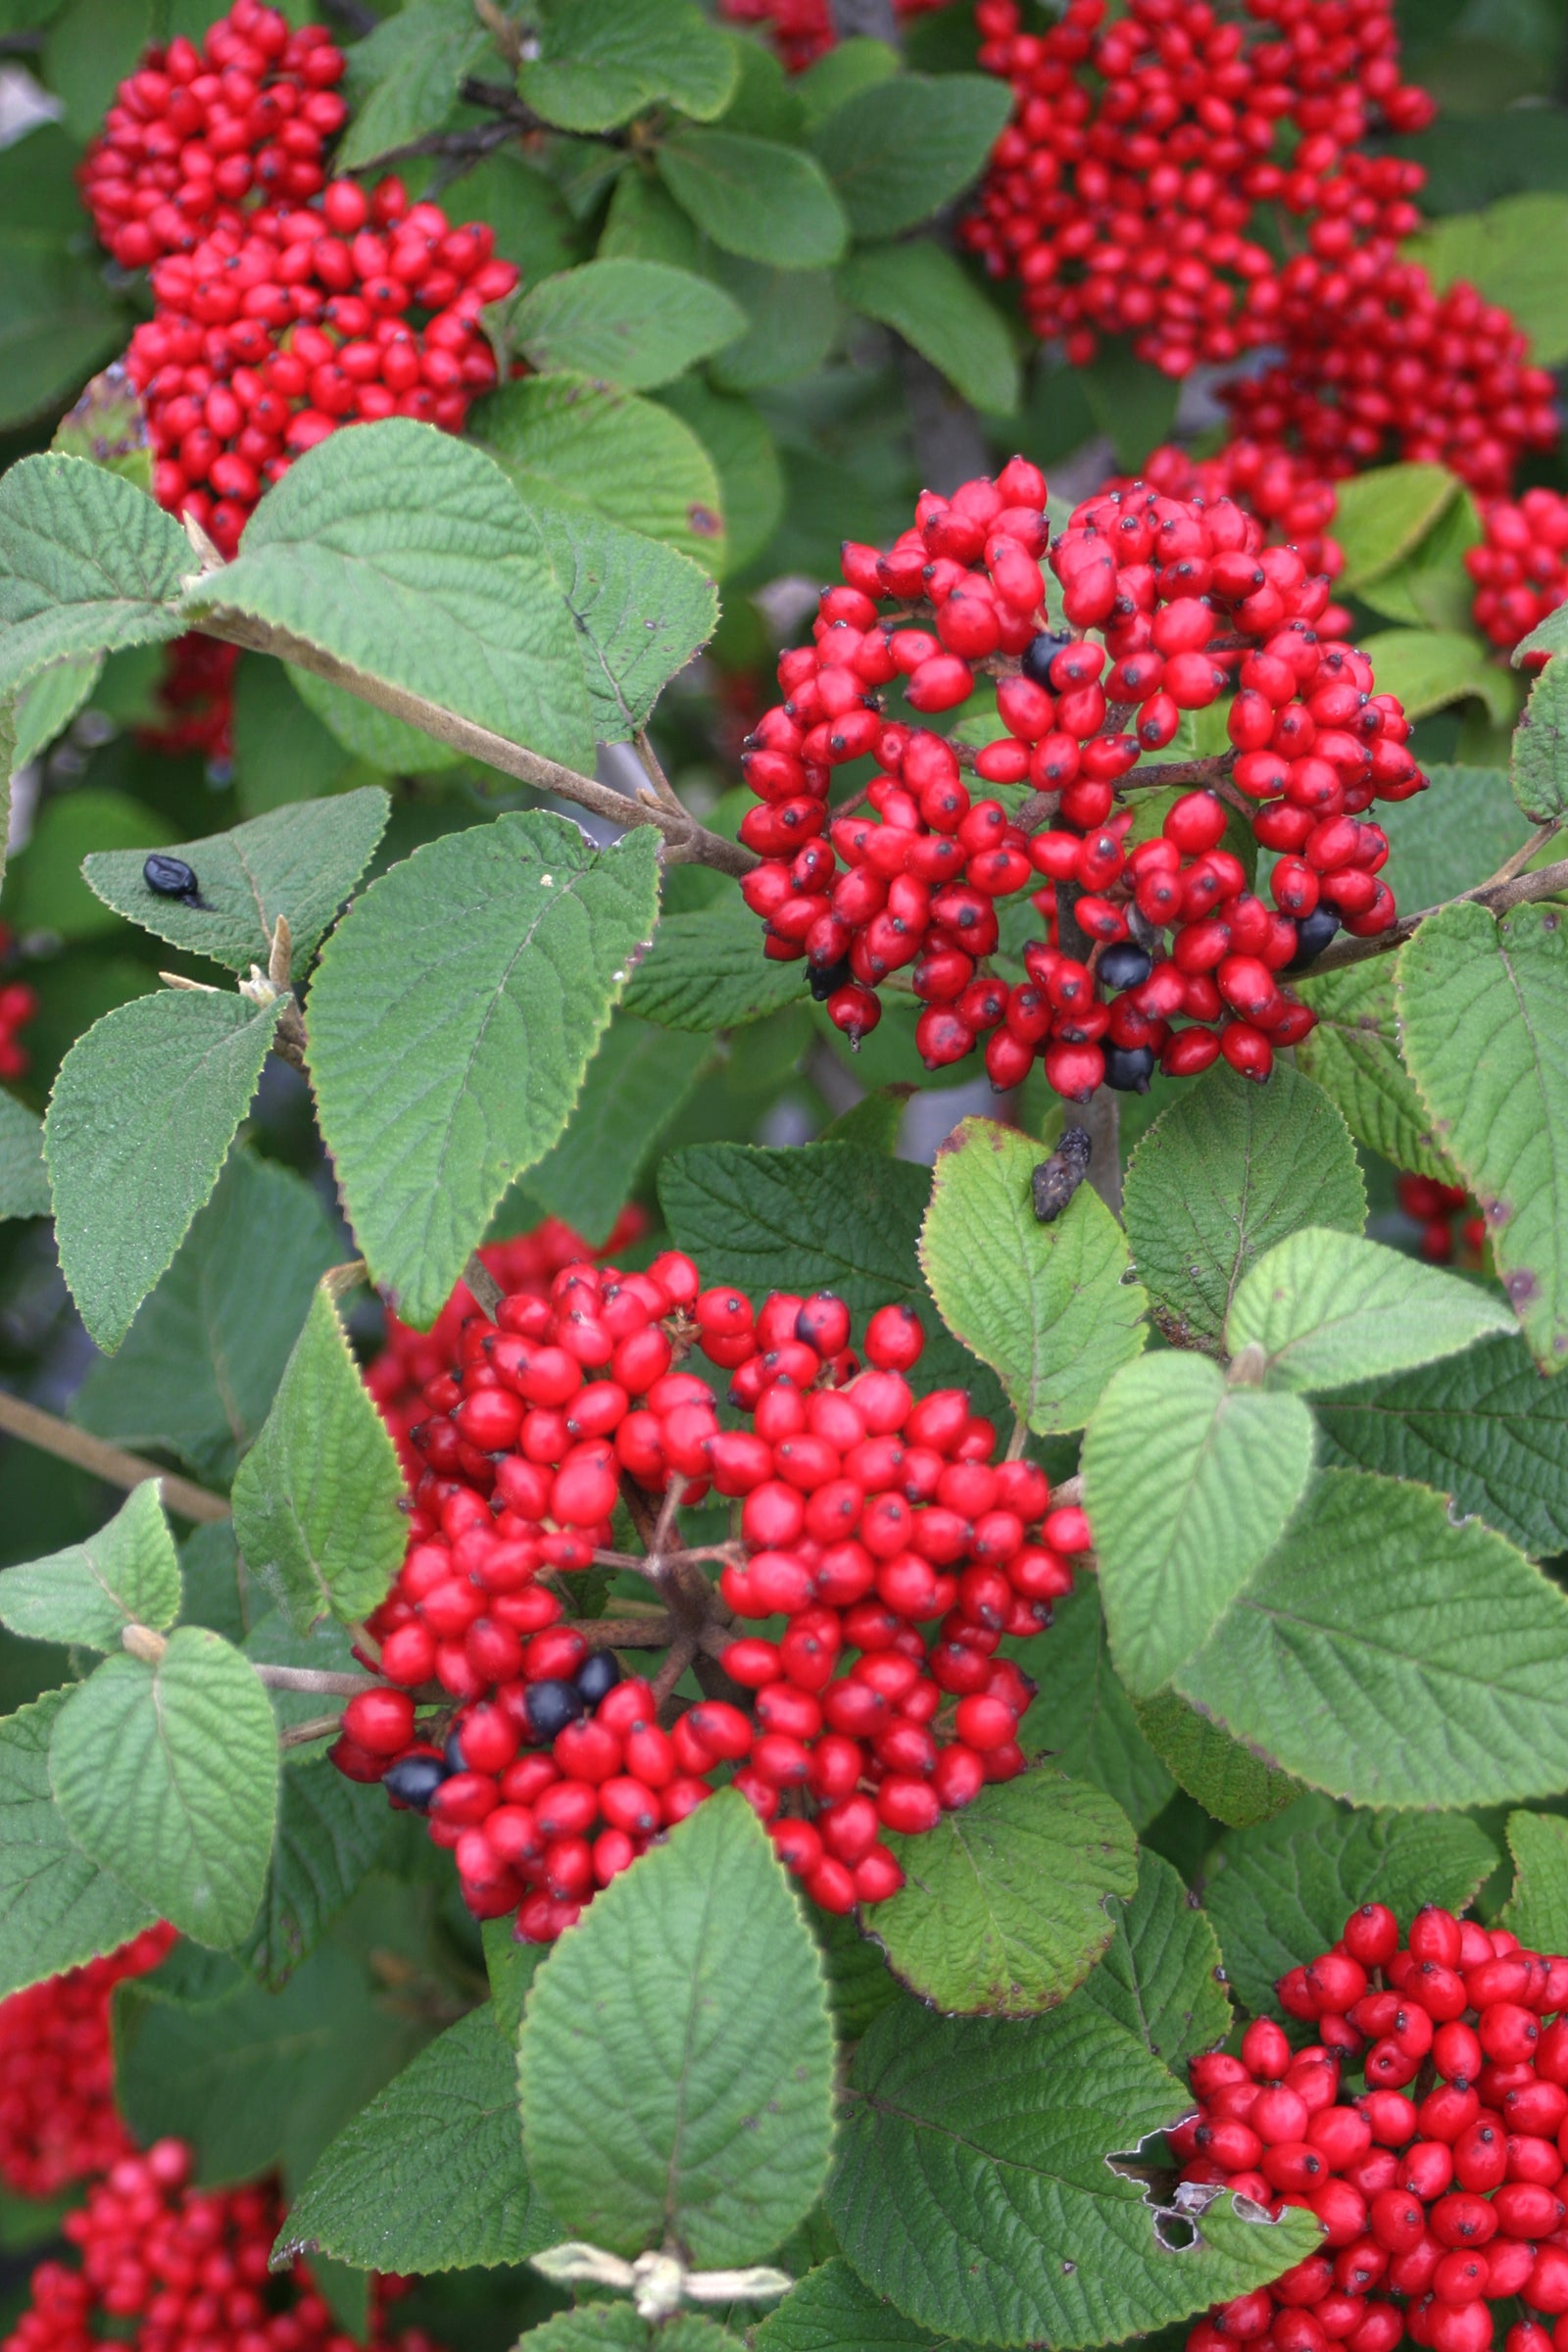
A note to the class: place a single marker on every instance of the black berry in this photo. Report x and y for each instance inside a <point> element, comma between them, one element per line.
<point>1312,935</point>
<point>415,1780</point>
<point>596,1675</point>
<point>551,1705</point>
<point>1124,964</point>
<point>1129,1068</point>
<point>1039,653</point>
<point>826,979</point>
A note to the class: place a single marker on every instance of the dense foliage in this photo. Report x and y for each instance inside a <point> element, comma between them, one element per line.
<point>783,1221</point>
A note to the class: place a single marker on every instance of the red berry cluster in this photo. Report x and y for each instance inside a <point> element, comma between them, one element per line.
<point>194,133</point>
<point>19,1005</point>
<point>1437,2185</point>
<point>168,2268</point>
<point>282,325</point>
<point>1521,566</point>
<point>1191,606</point>
<point>1376,364</point>
<point>877,1525</point>
<point>57,2123</point>
<point>524,1266</point>
<point>1295,503</point>
<point>1440,1209</point>
<point>802,30</point>
<point>1122,194</point>
<point>195,697</point>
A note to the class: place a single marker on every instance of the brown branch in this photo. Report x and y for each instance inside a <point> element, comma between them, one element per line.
<point>51,1434</point>
<point>1498,897</point>
<point>301,1735</point>
<point>686,841</point>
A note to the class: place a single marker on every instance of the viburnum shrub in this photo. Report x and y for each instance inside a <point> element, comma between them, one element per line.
<point>1186,604</point>
<point>713,1542</point>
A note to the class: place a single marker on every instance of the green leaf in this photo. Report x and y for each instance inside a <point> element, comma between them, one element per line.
<point>283,755</point>
<point>87,562</point>
<point>168,1775</point>
<point>1161,1979</point>
<point>46,707</point>
<point>1227,1780</point>
<point>1450,1691</point>
<point>258,2081</point>
<point>635,323</point>
<point>1227,1171</point>
<point>56,1907</point>
<point>1430,587</point>
<point>408,556</point>
<point>795,320</point>
<point>1443,841</point>
<point>90,45</point>
<point>126,1574</point>
<point>1430,669</point>
<point>431,2176</point>
<point>372,735</point>
<point>600,61</point>
<point>515,195</point>
<point>1383,516</point>
<point>921,292</point>
<point>755,197</point>
<point>676,2057</point>
<point>578,444</point>
<point>1325,1307</point>
<point>301,861</point>
<point>453,1015</point>
<point>316,1501</point>
<point>642,610</point>
<point>1354,1056</point>
<point>1548,636</point>
<point>749,477</point>
<point>1049,1307</point>
<point>1132,401</point>
<point>198,1370</point>
<point>57,324</point>
<point>899,149</point>
<point>1484,1428</point>
<point>330,1835</point>
<point>512,1968</point>
<point>633,1089</point>
<point>992,2141</point>
<point>1289,1886</point>
<point>1188,1483</point>
<point>1539,763</point>
<point>1003,1907</point>
<point>859,1983</point>
<point>823,1218</point>
<point>1536,1911</point>
<point>404,76</point>
<point>1484,1009</point>
<point>849,67</point>
<point>615,2328</point>
<point>1082,1718</point>
<point>706,972</point>
<point>1512,251</point>
<point>23,1178</point>
<point>139,1124</point>
<point>831,2309</point>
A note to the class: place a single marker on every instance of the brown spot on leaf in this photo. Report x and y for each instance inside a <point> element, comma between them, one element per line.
<point>704,522</point>
<point>1522,1285</point>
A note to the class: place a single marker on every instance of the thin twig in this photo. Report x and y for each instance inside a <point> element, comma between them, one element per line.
<point>1498,896</point>
<point>51,1434</point>
<point>686,841</point>
<point>321,1680</point>
<point>655,773</point>
<point>682,1650</point>
<point>1527,849</point>
<point>301,1735</point>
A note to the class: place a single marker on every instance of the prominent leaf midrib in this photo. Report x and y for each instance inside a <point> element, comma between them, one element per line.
<point>1536,1064</point>
<point>1344,1647</point>
<point>1336,1322</point>
<point>228,1396</point>
<point>1086,2119</point>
